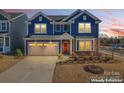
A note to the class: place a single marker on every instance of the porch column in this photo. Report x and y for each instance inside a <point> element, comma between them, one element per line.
<point>70,46</point>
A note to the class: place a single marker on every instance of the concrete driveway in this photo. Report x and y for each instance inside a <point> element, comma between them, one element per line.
<point>33,69</point>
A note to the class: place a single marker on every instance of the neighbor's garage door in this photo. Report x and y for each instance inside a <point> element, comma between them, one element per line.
<point>45,49</point>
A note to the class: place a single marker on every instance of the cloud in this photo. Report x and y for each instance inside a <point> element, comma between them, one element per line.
<point>115,26</point>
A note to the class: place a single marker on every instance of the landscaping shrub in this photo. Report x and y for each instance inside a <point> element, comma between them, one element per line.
<point>74,54</point>
<point>106,58</point>
<point>60,56</point>
<point>19,53</point>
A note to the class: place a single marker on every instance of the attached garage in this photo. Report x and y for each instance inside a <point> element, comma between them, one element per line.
<point>43,48</point>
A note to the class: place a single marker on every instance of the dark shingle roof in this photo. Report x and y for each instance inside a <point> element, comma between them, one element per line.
<point>13,15</point>
<point>57,17</point>
<point>10,15</point>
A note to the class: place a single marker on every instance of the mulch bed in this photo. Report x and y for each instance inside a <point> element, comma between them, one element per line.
<point>94,69</point>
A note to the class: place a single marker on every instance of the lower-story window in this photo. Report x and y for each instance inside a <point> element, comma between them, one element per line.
<point>1,44</point>
<point>7,41</point>
<point>85,45</point>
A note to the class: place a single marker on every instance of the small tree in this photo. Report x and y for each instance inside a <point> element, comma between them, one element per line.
<point>60,56</point>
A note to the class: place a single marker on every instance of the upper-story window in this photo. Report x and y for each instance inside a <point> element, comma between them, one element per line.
<point>40,28</point>
<point>57,27</point>
<point>66,27</point>
<point>84,28</point>
<point>84,17</point>
<point>40,18</point>
<point>3,26</point>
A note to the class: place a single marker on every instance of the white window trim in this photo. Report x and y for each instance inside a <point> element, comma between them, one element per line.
<point>40,29</point>
<point>40,18</point>
<point>68,30</point>
<point>85,17</point>
<point>5,26</point>
<point>1,42</point>
<point>84,31</point>
<point>5,41</point>
<point>85,39</point>
<point>85,45</point>
<point>56,28</point>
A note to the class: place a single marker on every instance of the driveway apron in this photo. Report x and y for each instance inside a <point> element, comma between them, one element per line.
<point>32,69</point>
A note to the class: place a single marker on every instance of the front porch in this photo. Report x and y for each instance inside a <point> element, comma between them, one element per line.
<point>66,46</point>
<point>4,43</point>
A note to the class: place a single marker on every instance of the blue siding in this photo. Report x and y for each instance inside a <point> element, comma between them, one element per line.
<point>31,28</point>
<point>41,41</point>
<point>74,27</point>
<point>94,27</point>
<point>77,45</point>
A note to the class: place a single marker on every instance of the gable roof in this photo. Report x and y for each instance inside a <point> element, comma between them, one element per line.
<point>72,14</point>
<point>87,13</point>
<point>57,17</point>
<point>10,15</point>
<point>40,13</point>
<point>65,18</point>
<point>66,36</point>
<point>5,14</point>
<point>13,15</point>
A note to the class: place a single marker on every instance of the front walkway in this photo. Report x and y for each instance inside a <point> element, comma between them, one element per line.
<point>33,69</point>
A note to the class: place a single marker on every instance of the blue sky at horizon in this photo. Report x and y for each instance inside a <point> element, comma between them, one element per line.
<point>112,19</point>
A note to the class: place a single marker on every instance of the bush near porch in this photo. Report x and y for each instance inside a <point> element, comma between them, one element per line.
<point>88,58</point>
<point>73,70</point>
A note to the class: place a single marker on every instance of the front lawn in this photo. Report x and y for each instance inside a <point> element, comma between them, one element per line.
<point>7,61</point>
<point>72,72</point>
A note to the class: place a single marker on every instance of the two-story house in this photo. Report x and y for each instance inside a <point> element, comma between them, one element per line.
<point>12,31</point>
<point>51,35</point>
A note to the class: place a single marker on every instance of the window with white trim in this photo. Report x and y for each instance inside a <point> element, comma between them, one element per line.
<point>85,45</point>
<point>58,27</point>
<point>40,28</point>
<point>84,17</point>
<point>3,26</point>
<point>1,44</point>
<point>66,27</point>
<point>7,41</point>
<point>40,18</point>
<point>84,28</point>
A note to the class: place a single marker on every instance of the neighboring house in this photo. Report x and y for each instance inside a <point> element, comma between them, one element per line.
<point>12,31</point>
<point>51,35</point>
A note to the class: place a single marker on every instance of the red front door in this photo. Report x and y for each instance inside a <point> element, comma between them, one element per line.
<point>65,47</point>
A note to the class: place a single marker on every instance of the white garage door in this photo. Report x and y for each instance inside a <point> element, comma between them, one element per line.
<point>43,49</point>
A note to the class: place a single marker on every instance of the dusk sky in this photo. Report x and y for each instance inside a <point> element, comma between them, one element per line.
<point>112,19</point>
